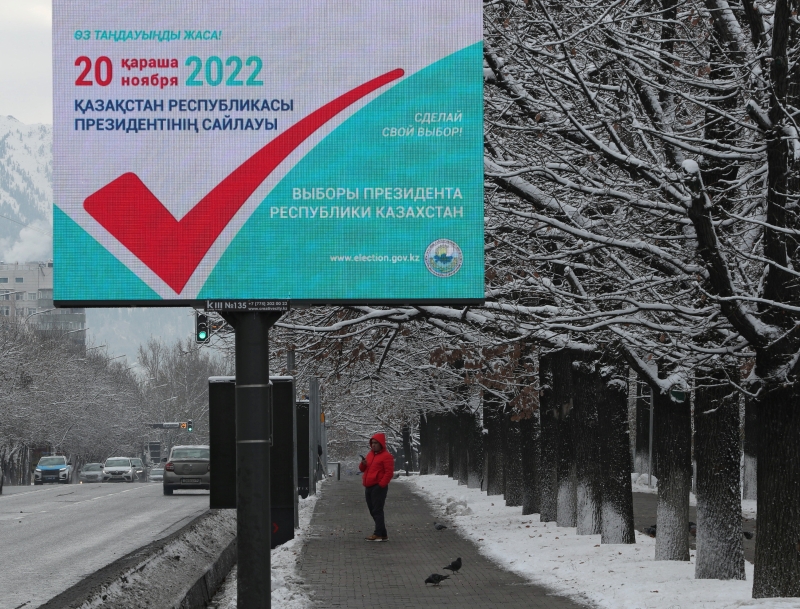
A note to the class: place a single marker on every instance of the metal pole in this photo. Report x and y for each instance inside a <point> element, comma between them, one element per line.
<point>253,441</point>
<point>650,456</point>
<point>313,433</point>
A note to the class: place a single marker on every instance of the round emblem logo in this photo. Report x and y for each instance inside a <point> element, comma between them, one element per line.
<point>443,258</point>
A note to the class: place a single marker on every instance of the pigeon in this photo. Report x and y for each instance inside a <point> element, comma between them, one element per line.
<point>454,566</point>
<point>693,529</point>
<point>439,527</point>
<point>436,579</point>
<point>747,534</point>
<point>651,531</point>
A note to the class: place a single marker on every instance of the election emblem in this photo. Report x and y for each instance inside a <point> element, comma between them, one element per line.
<point>443,258</point>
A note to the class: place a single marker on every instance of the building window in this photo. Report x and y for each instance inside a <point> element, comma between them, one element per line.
<point>31,295</point>
<point>5,311</point>
<point>31,311</point>
<point>19,279</point>
<point>3,279</point>
<point>19,296</point>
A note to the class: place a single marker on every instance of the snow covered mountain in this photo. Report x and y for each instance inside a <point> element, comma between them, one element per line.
<point>26,191</point>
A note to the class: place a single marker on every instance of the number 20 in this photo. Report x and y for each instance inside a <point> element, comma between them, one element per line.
<point>102,64</point>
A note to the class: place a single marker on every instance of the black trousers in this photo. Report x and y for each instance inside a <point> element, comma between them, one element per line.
<point>376,497</point>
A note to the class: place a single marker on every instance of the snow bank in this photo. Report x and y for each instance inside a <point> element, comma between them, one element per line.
<point>288,590</point>
<point>578,566</point>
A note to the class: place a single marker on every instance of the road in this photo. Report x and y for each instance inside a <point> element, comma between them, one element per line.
<point>53,536</point>
<point>644,515</point>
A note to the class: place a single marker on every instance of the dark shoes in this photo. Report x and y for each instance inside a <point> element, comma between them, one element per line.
<point>376,538</point>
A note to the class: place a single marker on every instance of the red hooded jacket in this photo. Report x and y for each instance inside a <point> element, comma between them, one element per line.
<point>379,467</point>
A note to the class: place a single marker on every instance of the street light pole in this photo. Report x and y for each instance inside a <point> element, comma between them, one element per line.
<point>253,442</point>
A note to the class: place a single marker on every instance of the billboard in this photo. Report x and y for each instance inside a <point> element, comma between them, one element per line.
<point>256,151</point>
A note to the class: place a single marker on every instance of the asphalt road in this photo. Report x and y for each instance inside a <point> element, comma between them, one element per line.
<point>644,515</point>
<point>53,536</point>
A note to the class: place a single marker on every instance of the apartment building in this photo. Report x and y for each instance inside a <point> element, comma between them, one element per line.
<point>26,295</point>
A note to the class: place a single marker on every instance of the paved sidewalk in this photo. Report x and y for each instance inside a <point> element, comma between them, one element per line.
<point>343,570</point>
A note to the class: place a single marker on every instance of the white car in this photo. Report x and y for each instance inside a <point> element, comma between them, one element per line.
<point>119,469</point>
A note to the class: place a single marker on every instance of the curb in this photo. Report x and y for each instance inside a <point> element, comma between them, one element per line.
<point>115,584</point>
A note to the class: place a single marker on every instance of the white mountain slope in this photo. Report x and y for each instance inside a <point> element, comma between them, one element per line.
<point>26,191</point>
<point>26,226</point>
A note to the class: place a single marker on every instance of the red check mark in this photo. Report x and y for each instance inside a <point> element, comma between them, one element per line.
<point>171,249</point>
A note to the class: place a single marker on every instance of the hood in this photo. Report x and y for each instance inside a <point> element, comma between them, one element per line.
<point>380,437</point>
<point>50,468</point>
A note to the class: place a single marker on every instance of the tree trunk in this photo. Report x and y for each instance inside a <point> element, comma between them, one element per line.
<point>462,444</point>
<point>494,452</point>
<point>673,432</point>
<point>442,445</point>
<point>475,452</point>
<point>424,445</point>
<point>777,567</point>
<point>530,445</point>
<point>642,455</point>
<point>615,456</point>
<point>407,464</point>
<point>513,462</point>
<point>562,398</point>
<point>720,553</point>
<point>548,464</point>
<point>585,429</point>
<point>451,429</point>
<point>749,475</point>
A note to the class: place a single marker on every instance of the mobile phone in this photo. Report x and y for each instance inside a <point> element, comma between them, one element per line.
<point>362,457</point>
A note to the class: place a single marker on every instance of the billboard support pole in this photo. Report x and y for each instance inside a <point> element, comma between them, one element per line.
<point>253,442</point>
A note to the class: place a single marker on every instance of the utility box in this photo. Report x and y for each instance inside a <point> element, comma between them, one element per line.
<point>283,463</point>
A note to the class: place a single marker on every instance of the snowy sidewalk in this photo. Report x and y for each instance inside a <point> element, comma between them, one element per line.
<point>343,570</point>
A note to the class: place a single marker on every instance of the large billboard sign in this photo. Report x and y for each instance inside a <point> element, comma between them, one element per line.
<point>258,151</point>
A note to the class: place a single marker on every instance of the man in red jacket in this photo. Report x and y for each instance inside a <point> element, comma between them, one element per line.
<point>378,469</point>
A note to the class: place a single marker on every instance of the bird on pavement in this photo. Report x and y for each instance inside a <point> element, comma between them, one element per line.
<point>693,529</point>
<point>454,566</point>
<point>651,531</point>
<point>439,527</point>
<point>436,579</point>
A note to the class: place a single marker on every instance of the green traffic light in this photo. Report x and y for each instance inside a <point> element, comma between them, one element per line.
<point>202,335</point>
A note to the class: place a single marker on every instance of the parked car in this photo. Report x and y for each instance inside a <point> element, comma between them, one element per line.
<point>55,468</point>
<point>141,472</point>
<point>188,467</point>
<point>118,469</point>
<point>156,473</point>
<point>91,472</point>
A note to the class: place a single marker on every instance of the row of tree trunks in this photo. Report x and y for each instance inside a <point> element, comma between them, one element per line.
<point>544,463</point>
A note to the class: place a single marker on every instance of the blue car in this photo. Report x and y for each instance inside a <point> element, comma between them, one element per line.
<point>52,469</point>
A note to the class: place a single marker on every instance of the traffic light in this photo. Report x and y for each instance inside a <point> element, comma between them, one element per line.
<point>201,334</point>
<point>189,425</point>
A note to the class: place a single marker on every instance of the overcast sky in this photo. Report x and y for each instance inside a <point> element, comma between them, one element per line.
<point>26,89</point>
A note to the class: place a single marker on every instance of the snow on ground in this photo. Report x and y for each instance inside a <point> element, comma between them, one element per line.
<point>578,566</point>
<point>288,591</point>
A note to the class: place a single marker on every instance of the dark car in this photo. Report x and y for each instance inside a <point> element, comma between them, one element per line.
<point>188,467</point>
<point>91,472</point>
<point>141,472</point>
